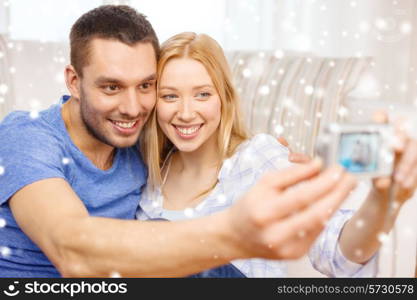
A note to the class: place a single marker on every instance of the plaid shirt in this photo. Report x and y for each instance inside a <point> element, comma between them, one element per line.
<point>254,157</point>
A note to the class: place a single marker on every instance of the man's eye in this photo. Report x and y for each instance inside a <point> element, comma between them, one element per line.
<point>146,85</point>
<point>111,88</point>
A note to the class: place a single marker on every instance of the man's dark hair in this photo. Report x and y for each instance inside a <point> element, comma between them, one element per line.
<point>118,22</point>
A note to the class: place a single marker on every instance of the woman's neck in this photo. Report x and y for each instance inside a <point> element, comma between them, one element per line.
<point>197,162</point>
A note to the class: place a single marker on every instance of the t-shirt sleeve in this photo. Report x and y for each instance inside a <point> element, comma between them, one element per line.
<point>27,154</point>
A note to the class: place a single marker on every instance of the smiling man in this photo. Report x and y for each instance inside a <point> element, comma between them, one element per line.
<point>73,177</point>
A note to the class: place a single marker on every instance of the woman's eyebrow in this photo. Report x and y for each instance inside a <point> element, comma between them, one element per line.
<point>197,87</point>
<point>202,86</point>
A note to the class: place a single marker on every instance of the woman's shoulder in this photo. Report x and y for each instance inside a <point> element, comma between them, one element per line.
<point>263,144</point>
<point>254,153</point>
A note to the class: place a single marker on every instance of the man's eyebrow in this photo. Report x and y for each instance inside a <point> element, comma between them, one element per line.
<point>149,78</point>
<point>104,79</point>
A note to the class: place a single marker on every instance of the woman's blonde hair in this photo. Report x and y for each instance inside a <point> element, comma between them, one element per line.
<point>202,48</point>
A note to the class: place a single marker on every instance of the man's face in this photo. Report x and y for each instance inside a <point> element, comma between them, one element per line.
<point>117,91</point>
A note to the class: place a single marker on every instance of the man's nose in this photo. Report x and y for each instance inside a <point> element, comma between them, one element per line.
<point>130,105</point>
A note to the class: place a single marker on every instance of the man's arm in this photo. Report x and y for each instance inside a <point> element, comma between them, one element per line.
<point>53,216</point>
<point>261,224</point>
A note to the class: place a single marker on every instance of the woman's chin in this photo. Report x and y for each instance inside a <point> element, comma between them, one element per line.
<point>186,148</point>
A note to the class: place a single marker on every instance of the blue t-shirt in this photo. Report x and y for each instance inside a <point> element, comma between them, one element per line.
<point>33,149</point>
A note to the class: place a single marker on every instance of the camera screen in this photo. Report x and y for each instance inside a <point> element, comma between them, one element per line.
<point>358,152</point>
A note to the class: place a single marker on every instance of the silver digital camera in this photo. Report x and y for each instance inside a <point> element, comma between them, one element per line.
<point>362,149</point>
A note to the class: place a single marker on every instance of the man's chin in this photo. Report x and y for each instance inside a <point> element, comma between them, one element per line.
<point>124,144</point>
<point>121,142</point>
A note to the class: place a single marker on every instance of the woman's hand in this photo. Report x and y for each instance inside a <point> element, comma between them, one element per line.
<point>294,157</point>
<point>404,177</point>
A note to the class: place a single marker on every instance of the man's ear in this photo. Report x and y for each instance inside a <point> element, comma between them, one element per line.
<point>72,80</point>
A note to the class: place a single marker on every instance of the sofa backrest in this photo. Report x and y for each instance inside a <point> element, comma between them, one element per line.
<point>294,95</point>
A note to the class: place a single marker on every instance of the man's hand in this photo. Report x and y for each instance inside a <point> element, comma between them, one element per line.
<point>294,157</point>
<point>282,215</point>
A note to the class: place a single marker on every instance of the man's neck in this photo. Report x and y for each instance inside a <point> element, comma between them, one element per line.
<point>100,154</point>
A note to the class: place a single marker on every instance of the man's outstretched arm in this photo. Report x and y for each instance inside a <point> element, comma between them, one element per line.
<point>261,224</point>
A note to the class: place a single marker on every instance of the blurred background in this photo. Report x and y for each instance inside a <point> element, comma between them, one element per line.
<point>301,63</point>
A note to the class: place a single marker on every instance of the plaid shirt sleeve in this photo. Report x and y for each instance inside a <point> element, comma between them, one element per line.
<point>327,258</point>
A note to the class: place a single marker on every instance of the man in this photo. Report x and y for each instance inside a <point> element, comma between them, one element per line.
<point>72,177</point>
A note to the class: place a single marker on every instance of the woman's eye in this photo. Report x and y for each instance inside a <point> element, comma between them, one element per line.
<point>203,95</point>
<point>169,97</point>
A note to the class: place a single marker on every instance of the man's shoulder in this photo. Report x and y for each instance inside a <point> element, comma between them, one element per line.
<point>23,124</point>
<point>23,128</point>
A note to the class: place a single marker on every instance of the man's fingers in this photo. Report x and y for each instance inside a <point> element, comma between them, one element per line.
<point>308,192</point>
<point>313,217</point>
<point>290,176</point>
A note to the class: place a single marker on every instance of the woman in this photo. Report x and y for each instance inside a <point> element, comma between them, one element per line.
<point>201,158</point>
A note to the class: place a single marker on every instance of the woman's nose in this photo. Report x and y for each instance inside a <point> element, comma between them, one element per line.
<point>186,111</point>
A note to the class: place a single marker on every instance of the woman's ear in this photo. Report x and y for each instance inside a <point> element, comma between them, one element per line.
<point>72,80</point>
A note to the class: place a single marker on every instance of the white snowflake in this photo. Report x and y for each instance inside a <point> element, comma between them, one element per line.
<point>264,90</point>
<point>2,223</point>
<point>309,90</point>
<point>359,223</point>
<point>65,160</point>
<point>279,130</point>
<point>34,114</point>
<point>405,28</point>
<point>279,54</point>
<point>5,251</point>
<point>247,73</point>
<point>3,89</point>
<point>383,238</point>
<point>221,198</point>
<point>115,274</point>
<point>343,111</point>
<point>2,170</point>
<point>188,212</point>
<point>358,252</point>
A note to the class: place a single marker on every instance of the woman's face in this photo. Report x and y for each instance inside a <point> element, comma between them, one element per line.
<point>188,106</point>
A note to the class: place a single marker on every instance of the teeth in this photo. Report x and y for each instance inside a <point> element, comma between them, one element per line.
<point>125,125</point>
<point>188,131</point>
